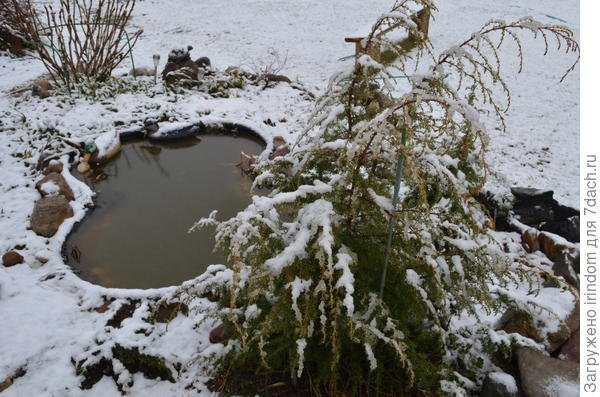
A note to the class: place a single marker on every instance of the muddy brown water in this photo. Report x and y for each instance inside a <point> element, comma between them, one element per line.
<point>147,199</point>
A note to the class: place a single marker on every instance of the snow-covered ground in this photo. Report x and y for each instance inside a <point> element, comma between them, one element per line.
<point>47,311</point>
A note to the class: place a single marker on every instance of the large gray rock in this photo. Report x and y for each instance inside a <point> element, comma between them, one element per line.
<point>54,184</point>
<point>522,323</point>
<point>498,384</point>
<point>564,267</point>
<point>570,350</point>
<point>544,376</point>
<point>49,213</point>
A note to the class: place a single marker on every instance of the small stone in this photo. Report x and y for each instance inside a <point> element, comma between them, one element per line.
<point>280,147</point>
<point>217,334</point>
<point>540,374</point>
<point>498,384</point>
<point>12,258</point>
<point>54,184</point>
<point>247,162</point>
<point>49,213</point>
<point>570,350</point>
<point>278,141</point>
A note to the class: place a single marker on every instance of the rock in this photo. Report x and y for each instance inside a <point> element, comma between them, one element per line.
<point>54,184</point>
<point>530,240</point>
<point>543,376</point>
<point>567,228</point>
<point>203,62</point>
<point>53,166</point>
<point>563,267</point>
<point>573,319</point>
<point>217,334</point>
<point>43,256</point>
<point>278,141</point>
<point>41,88</point>
<point>280,147</point>
<point>499,384</point>
<point>538,208</point>
<point>49,213</point>
<point>12,258</point>
<point>531,195</point>
<point>570,350</point>
<point>521,322</point>
<point>553,245</point>
<point>247,162</point>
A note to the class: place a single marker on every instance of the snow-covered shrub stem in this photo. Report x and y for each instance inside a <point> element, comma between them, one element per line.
<point>309,256</point>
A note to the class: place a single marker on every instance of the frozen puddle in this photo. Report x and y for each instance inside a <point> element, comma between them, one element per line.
<point>147,199</point>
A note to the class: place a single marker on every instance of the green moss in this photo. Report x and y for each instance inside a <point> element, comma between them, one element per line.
<point>151,366</point>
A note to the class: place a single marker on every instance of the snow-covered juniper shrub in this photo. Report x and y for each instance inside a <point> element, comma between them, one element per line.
<point>301,294</point>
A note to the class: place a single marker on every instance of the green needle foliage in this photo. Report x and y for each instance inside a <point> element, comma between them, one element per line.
<point>300,297</point>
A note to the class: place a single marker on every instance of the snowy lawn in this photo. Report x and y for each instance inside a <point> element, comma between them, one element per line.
<point>48,313</point>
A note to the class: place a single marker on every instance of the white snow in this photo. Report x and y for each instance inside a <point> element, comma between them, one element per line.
<point>559,387</point>
<point>50,188</point>
<point>48,313</point>
<point>505,379</point>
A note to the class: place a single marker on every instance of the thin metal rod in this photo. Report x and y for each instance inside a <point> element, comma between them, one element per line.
<point>390,229</point>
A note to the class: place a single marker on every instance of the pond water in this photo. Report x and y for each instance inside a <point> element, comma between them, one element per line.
<point>147,199</point>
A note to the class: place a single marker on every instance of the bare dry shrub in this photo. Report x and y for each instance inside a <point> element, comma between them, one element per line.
<point>82,39</point>
<point>10,37</point>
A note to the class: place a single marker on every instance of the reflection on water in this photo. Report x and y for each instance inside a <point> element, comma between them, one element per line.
<point>148,197</point>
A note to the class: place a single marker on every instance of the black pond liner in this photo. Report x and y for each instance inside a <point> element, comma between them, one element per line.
<point>169,145</point>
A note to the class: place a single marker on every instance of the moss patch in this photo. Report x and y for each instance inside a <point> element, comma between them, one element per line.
<point>151,366</point>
